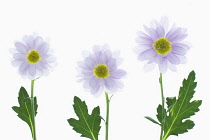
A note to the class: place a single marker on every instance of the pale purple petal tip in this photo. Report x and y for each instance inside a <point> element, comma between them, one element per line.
<point>21,47</point>
<point>172,58</point>
<point>95,89</point>
<point>163,66</point>
<point>159,59</point>
<point>179,50</point>
<point>111,84</point>
<point>117,74</point>
<point>146,55</point>
<point>160,32</point>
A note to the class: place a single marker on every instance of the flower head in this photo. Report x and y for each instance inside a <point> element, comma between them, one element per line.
<point>33,57</point>
<point>162,46</point>
<point>99,71</point>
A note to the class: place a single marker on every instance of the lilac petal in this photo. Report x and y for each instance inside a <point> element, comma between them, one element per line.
<point>43,48</point>
<point>154,24</point>
<point>24,73</point>
<point>96,57</point>
<point>151,32</point>
<point>184,46</point>
<point>159,59</point>
<point>110,84</point>
<point>144,42</point>
<point>163,66</point>
<point>43,64</point>
<point>179,50</point>
<point>113,68</point>
<point>172,67</point>
<point>88,75</point>
<point>96,49</point>
<point>43,57</point>
<point>146,55</point>
<point>111,62</point>
<point>90,62</point>
<point>102,59</point>
<point>172,58</point>
<point>108,55</point>
<point>82,65</point>
<point>151,60</point>
<point>172,31</point>
<point>116,54</point>
<point>21,47</point>
<point>23,66</point>
<point>101,82</point>
<point>13,51</point>
<point>29,40</point>
<point>184,30</point>
<point>144,38</point>
<point>119,83</point>
<point>39,73</point>
<point>119,61</point>
<point>149,67</point>
<point>37,42</point>
<point>19,56</point>
<point>104,48</point>
<point>93,82</point>
<point>95,89</point>
<point>183,59</point>
<point>117,74</point>
<point>39,66</point>
<point>160,32</point>
<point>179,38</point>
<point>164,23</point>
<point>32,70</point>
<point>173,34</point>
<point>86,84</point>
<point>50,59</point>
<point>140,49</point>
<point>16,63</point>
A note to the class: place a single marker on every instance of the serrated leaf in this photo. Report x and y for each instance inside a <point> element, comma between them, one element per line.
<point>182,109</point>
<point>170,101</point>
<point>159,113</point>
<point>87,125</point>
<point>24,111</point>
<point>152,120</point>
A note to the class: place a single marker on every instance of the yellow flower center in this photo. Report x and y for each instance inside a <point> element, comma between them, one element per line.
<point>33,56</point>
<point>162,46</point>
<point>101,71</point>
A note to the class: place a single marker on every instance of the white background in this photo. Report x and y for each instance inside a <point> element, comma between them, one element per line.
<point>74,26</point>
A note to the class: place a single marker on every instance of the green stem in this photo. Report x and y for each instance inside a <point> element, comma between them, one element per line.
<point>107,115</point>
<point>163,101</point>
<point>33,109</point>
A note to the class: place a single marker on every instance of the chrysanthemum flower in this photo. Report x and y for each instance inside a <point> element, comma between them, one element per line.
<point>162,46</point>
<point>33,57</point>
<point>99,71</point>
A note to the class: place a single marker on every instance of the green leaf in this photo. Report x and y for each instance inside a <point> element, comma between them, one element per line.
<point>159,115</point>
<point>152,120</point>
<point>24,111</point>
<point>87,125</point>
<point>170,101</point>
<point>177,121</point>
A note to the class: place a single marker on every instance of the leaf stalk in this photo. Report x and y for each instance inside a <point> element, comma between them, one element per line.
<point>107,115</point>
<point>163,102</point>
<point>33,110</point>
